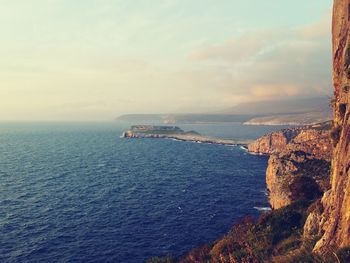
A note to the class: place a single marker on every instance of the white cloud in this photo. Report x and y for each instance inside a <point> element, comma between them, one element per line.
<point>97,59</point>
<point>270,64</point>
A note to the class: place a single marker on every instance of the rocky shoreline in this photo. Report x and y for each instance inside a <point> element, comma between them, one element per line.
<point>181,135</point>
<point>297,176</point>
<point>308,223</point>
<point>299,160</point>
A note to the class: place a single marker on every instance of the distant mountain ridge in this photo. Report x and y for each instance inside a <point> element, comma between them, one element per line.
<point>297,119</point>
<point>274,107</point>
<point>285,112</point>
<point>184,118</point>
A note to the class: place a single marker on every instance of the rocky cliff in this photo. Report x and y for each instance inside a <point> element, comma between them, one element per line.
<point>274,142</point>
<point>299,164</point>
<point>335,219</point>
<point>331,218</point>
<point>313,139</point>
<point>292,176</point>
<point>276,236</point>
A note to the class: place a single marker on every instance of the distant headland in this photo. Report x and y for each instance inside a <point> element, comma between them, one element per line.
<point>176,133</point>
<point>295,112</point>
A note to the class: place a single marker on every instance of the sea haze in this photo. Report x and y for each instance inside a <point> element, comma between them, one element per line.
<point>79,193</point>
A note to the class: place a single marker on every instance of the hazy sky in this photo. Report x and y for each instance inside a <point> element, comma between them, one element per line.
<point>96,59</point>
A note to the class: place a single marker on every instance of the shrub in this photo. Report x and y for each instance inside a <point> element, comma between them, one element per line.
<point>236,242</point>
<point>301,255</point>
<point>291,243</point>
<point>347,61</point>
<point>347,72</point>
<point>335,135</point>
<point>284,222</point>
<point>347,57</point>
<point>331,103</point>
<point>167,259</point>
<point>344,254</point>
<point>276,232</point>
<point>304,188</point>
<point>200,254</point>
<point>316,207</point>
<point>342,110</point>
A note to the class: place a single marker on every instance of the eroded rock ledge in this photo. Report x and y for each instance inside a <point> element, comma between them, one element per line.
<point>299,164</point>
<point>313,139</point>
<point>329,218</point>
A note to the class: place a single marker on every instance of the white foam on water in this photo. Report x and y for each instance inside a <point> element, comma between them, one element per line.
<point>265,209</point>
<point>243,148</point>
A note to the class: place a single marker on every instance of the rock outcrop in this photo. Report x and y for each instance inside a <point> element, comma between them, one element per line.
<point>299,164</point>
<point>294,176</point>
<point>175,133</point>
<point>274,142</point>
<point>295,165</point>
<point>335,220</point>
<point>313,139</point>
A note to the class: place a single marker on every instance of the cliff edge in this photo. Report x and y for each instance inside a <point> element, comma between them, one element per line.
<point>335,219</point>
<point>313,139</point>
<point>294,232</point>
<point>299,164</point>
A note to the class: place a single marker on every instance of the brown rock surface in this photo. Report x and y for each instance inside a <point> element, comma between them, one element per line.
<point>292,176</point>
<point>335,221</point>
<point>273,142</point>
<point>312,141</point>
<point>309,139</point>
<point>299,164</point>
<point>278,175</point>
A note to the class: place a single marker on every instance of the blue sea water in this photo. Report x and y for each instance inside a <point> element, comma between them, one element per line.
<point>79,193</point>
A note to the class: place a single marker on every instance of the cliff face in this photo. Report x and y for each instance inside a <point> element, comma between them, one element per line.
<point>335,220</point>
<point>314,142</point>
<point>331,219</point>
<point>294,176</point>
<point>274,142</point>
<point>294,166</point>
<point>299,164</point>
<point>278,176</point>
<point>309,139</point>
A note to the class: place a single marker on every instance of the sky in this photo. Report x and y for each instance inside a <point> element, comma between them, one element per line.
<point>97,59</point>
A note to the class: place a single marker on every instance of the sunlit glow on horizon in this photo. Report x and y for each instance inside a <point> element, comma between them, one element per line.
<point>95,60</point>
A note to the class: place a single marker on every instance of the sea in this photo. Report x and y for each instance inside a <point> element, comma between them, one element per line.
<point>77,192</point>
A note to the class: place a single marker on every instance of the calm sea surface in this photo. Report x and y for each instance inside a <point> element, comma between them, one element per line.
<point>79,193</point>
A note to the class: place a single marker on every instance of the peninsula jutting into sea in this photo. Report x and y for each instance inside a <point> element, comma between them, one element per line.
<point>174,132</point>
<point>308,180</point>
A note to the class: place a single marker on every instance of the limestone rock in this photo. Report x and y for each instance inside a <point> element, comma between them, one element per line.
<point>312,228</point>
<point>299,164</point>
<point>293,176</point>
<point>335,220</point>
<point>273,142</point>
<point>315,140</point>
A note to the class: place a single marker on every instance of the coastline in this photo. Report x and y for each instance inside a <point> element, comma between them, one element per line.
<point>189,137</point>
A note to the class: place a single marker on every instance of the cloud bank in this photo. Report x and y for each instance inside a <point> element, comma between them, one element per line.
<point>94,60</point>
<point>272,64</point>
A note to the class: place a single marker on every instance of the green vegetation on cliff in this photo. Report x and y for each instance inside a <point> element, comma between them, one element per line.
<point>276,236</point>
